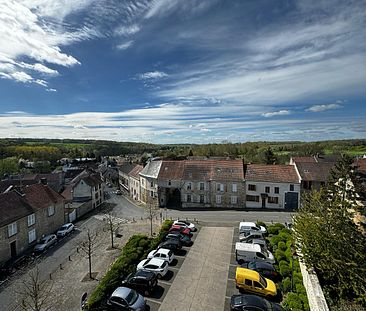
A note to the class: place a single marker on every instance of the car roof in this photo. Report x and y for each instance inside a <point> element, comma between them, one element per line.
<point>247,224</point>
<point>262,264</point>
<point>155,261</point>
<point>172,241</point>
<point>249,300</point>
<point>121,292</point>
<point>144,274</point>
<point>163,251</point>
<point>247,274</point>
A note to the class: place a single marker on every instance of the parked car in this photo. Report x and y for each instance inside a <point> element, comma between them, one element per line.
<point>186,240</point>
<point>142,281</point>
<point>172,244</point>
<point>182,230</point>
<point>260,242</point>
<point>118,192</point>
<point>251,303</point>
<point>124,298</point>
<point>186,224</point>
<point>162,253</point>
<point>251,281</point>
<point>158,266</point>
<point>246,252</point>
<point>45,243</point>
<point>65,229</point>
<point>246,236</point>
<point>251,226</point>
<point>264,268</point>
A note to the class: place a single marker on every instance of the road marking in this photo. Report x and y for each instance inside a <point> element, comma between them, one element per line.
<point>153,300</point>
<point>227,297</point>
<point>174,268</point>
<point>164,282</point>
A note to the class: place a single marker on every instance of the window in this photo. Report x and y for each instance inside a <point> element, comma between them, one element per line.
<point>151,184</point>
<point>189,186</point>
<point>220,187</point>
<point>12,229</point>
<point>31,236</point>
<point>277,190</point>
<point>202,186</point>
<point>273,200</point>
<point>234,188</point>
<point>292,187</point>
<point>248,282</point>
<point>96,196</point>
<point>257,285</point>
<point>169,182</point>
<point>189,198</point>
<point>31,220</point>
<point>51,210</point>
<point>218,199</point>
<point>95,188</point>
<point>267,189</point>
<point>143,182</point>
<point>252,187</point>
<point>234,199</point>
<point>202,198</point>
<point>253,198</point>
<point>151,193</point>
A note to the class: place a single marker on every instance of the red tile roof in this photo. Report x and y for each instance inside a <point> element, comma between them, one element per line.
<point>271,173</point>
<point>222,170</point>
<point>136,170</point>
<point>314,171</point>
<point>41,196</point>
<point>13,206</point>
<point>361,165</point>
<point>171,170</point>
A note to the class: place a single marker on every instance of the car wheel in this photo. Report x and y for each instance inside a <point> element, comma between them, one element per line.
<point>159,276</point>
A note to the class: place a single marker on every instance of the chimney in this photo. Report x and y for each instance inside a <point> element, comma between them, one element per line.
<point>44,181</point>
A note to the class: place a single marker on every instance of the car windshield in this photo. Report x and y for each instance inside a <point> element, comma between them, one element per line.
<point>64,227</point>
<point>252,265</point>
<point>263,281</point>
<point>43,241</point>
<point>132,297</point>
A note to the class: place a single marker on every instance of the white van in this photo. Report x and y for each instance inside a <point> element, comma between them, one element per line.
<point>245,252</point>
<point>251,226</point>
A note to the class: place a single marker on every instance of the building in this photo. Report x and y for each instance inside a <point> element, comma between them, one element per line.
<point>123,171</point>
<point>27,216</point>
<point>134,182</point>
<point>313,175</point>
<point>272,186</point>
<point>149,183</point>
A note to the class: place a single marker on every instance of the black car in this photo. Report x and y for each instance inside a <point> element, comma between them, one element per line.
<point>142,281</point>
<point>172,244</point>
<point>264,268</point>
<point>185,240</point>
<point>252,302</point>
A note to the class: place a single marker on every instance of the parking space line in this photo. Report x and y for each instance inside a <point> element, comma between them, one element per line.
<point>153,300</point>
<point>231,279</point>
<point>174,268</point>
<point>164,282</point>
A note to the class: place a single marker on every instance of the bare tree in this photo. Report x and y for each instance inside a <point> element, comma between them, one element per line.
<point>112,224</point>
<point>34,292</point>
<point>87,248</point>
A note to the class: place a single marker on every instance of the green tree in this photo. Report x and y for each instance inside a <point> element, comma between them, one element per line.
<point>269,156</point>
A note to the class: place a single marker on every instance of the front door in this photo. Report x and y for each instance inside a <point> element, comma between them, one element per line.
<point>263,202</point>
<point>291,200</point>
<point>13,249</point>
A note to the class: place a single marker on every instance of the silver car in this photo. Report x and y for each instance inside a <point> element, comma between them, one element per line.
<point>124,298</point>
<point>45,243</point>
<point>65,229</point>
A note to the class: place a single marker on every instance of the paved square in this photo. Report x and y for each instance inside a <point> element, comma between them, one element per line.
<point>202,280</point>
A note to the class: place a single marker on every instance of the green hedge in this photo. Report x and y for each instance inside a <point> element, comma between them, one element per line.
<point>280,240</point>
<point>135,250</point>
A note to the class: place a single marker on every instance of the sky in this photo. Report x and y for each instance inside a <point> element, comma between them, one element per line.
<point>183,71</point>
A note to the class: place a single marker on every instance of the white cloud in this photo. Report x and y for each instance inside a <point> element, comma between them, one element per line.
<point>51,90</point>
<point>319,108</point>
<point>125,45</point>
<point>39,68</point>
<point>152,75</point>
<point>127,30</point>
<point>276,113</point>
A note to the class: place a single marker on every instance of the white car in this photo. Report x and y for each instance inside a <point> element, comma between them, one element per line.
<point>251,226</point>
<point>185,224</point>
<point>158,266</point>
<point>65,229</point>
<point>162,253</point>
<point>45,243</point>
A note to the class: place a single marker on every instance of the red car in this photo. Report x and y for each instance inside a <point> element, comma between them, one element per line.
<point>182,230</point>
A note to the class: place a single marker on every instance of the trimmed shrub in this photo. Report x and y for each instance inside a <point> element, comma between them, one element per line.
<point>275,229</point>
<point>293,302</point>
<point>285,270</point>
<point>282,246</point>
<point>279,255</point>
<point>286,285</point>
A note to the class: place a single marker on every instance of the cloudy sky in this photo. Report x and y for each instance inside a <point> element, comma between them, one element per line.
<point>174,71</point>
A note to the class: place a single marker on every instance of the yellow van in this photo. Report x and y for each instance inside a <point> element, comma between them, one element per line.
<point>252,282</point>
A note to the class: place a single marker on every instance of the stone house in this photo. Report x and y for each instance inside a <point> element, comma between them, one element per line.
<point>149,182</point>
<point>272,186</point>
<point>123,172</point>
<point>25,217</point>
<point>134,182</point>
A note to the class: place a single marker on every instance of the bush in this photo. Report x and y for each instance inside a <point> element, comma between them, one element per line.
<point>282,246</point>
<point>279,255</point>
<point>293,302</point>
<point>275,229</point>
<point>286,285</point>
<point>285,270</point>
<point>261,223</point>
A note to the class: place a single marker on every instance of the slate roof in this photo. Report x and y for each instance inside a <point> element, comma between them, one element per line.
<point>41,196</point>
<point>205,170</point>
<point>271,173</point>
<point>5,184</point>
<point>92,180</point>
<point>136,171</point>
<point>127,167</point>
<point>303,159</point>
<point>151,169</point>
<point>314,171</point>
<point>319,158</point>
<point>13,207</point>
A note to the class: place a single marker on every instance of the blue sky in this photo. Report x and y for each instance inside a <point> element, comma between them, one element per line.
<point>174,71</point>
